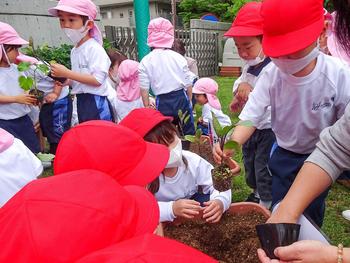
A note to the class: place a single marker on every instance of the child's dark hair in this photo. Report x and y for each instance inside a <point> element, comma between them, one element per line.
<point>260,37</point>
<point>163,133</point>
<point>179,47</point>
<point>9,48</point>
<point>116,57</point>
<point>84,18</point>
<point>342,23</point>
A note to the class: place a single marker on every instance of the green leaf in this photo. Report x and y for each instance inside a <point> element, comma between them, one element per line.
<point>179,113</point>
<point>198,133</point>
<point>232,145</point>
<point>217,126</point>
<point>245,123</point>
<point>23,66</point>
<point>26,83</point>
<point>190,138</point>
<point>187,118</point>
<point>45,157</point>
<point>227,129</point>
<point>43,68</point>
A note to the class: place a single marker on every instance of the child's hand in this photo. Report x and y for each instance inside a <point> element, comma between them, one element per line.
<point>186,208</point>
<point>51,97</point>
<point>235,105</point>
<point>243,91</point>
<point>58,70</point>
<point>200,119</point>
<point>213,211</point>
<point>26,99</point>
<point>152,103</point>
<point>218,155</point>
<point>36,127</point>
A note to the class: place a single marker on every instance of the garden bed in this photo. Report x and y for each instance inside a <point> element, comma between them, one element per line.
<point>232,240</point>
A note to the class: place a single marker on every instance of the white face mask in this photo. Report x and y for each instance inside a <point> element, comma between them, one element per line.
<point>255,61</point>
<point>75,35</point>
<point>292,66</point>
<point>175,158</point>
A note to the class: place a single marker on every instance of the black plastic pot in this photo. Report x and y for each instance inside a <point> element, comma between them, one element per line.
<point>272,236</point>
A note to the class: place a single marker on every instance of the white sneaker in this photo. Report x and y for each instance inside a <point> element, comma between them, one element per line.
<point>346,214</point>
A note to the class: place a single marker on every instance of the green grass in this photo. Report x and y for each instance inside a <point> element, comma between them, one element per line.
<point>335,226</point>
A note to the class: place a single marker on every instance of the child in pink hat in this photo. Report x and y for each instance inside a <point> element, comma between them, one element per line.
<point>18,166</point>
<point>205,90</point>
<point>90,63</point>
<point>166,72</point>
<point>306,90</point>
<point>14,102</point>
<point>128,89</point>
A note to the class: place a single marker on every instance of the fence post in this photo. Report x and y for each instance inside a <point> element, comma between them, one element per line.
<point>142,18</point>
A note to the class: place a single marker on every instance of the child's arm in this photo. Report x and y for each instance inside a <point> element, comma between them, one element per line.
<point>179,208</point>
<point>52,96</point>
<point>58,70</point>
<point>144,84</point>
<point>21,99</point>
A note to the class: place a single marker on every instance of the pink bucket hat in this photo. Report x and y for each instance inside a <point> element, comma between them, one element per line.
<point>9,36</point>
<point>208,87</point>
<point>79,7</point>
<point>129,86</point>
<point>6,140</point>
<point>160,33</point>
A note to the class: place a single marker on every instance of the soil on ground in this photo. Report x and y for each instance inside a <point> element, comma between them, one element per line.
<point>232,240</point>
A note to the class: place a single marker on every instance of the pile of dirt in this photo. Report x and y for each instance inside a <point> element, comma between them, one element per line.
<point>232,240</point>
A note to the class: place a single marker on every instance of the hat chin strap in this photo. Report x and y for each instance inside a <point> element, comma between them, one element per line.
<point>3,52</point>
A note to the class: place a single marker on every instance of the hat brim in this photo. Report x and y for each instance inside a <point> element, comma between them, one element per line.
<point>54,11</point>
<point>214,101</point>
<point>281,45</point>
<point>149,167</point>
<point>18,41</point>
<point>148,216</point>
<point>242,31</point>
<point>196,90</point>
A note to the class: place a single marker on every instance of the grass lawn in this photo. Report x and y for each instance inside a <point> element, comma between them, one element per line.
<point>335,226</point>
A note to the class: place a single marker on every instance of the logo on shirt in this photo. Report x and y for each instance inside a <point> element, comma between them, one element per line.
<point>320,105</point>
<point>83,66</point>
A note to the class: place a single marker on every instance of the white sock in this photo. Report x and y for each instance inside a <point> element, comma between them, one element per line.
<point>266,204</point>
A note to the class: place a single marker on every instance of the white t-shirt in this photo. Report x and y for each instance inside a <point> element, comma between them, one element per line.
<point>251,80</point>
<point>207,116</point>
<point>18,166</point>
<point>301,107</point>
<point>90,58</point>
<point>124,107</point>
<point>164,70</point>
<point>185,184</point>
<point>9,86</point>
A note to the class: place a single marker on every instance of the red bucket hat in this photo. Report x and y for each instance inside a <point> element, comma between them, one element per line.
<point>143,120</point>
<point>148,249</point>
<point>63,218</point>
<point>113,149</point>
<point>290,26</point>
<point>248,22</point>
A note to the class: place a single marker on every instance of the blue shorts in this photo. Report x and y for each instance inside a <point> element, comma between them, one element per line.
<point>23,129</point>
<point>55,118</point>
<point>169,105</point>
<point>93,107</point>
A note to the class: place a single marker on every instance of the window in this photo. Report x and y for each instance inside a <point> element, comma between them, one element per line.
<point>109,15</point>
<point>121,15</point>
<point>130,13</point>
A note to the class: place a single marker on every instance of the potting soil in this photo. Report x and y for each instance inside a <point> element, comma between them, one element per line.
<point>232,240</point>
<point>222,177</point>
<point>203,150</point>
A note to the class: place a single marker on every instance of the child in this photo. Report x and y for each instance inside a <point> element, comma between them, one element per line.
<point>18,166</point>
<point>307,91</point>
<point>247,31</point>
<point>14,102</point>
<point>116,58</point>
<point>205,90</point>
<point>128,89</point>
<point>90,63</point>
<point>185,175</point>
<point>56,111</point>
<point>167,73</point>
<point>93,210</point>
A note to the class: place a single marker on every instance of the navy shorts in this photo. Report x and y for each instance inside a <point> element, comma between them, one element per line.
<point>93,107</point>
<point>23,129</point>
<point>169,105</point>
<point>55,118</point>
<point>284,166</point>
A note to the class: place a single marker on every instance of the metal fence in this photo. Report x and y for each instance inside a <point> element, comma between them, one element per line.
<point>200,45</point>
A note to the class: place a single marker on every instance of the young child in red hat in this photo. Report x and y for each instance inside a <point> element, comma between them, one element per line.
<point>178,188</point>
<point>306,89</point>
<point>60,219</point>
<point>247,33</point>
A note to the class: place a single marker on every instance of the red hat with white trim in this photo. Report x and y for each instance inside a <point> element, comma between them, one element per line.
<point>248,21</point>
<point>148,249</point>
<point>290,26</point>
<point>63,218</point>
<point>113,149</point>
